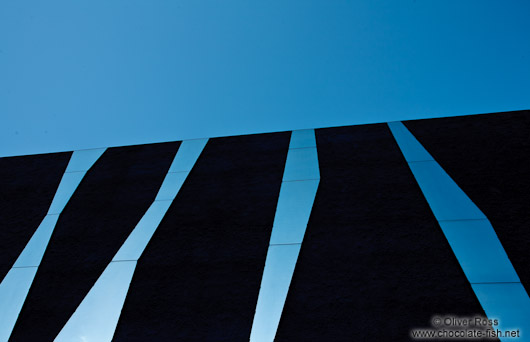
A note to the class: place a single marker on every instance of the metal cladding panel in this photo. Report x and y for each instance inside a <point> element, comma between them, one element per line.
<point>488,156</point>
<point>374,263</point>
<point>106,206</point>
<point>27,187</point>
<point>199,277</point>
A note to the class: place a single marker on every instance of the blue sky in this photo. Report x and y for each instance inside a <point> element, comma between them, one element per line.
<point>82,74</point>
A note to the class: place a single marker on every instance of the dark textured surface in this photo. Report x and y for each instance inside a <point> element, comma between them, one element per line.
<point>374,263</point>
<point>199,278</point>
<point>106,206</point>
<point>27,187</point>
<point>488,156</point>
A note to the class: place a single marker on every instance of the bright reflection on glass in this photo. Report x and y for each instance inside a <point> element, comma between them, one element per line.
<point>171,185</point>
<point>97,316</point>
<point>303,138</point>
<point>297,194</point>
<point>507,302</point>
<point>13,291</point>
<point>301,164</point>
<point>187,155</point>
<point>142,233</point>
<point>83,160</point>
<point>293,210</point>
<point>479,251</point>
<point>410,147</point>
<point>66,188</point>
<point>471,237</point>
<point>279,268</point>
<point>34,250</point>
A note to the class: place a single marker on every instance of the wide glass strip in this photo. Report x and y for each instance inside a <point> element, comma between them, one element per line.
<point>13,291</point>
<point>34,250</point>
<point>66,188</point>
<point>472,239</point>
<point>509,303</point>
<point>171,185</point>
<point>478,250</point>
<point>410,147</point>
<point>297,194</point>
<point>446,199</point>
<point>187,155</point>
<point>135,244</point>
<point>293,210</point>
<point>97,316</point>
<point>279,268</point>
<point>301,164</point>
<point>84,159</point>
<point>303,138</point>
<point>15,286</point>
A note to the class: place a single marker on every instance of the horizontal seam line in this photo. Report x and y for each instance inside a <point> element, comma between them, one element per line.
<point>285,244</point>
<point>125,260</point>
<point>299,180</point>
<point>177,171</point>
<point>456,220</point>
<point>25,266</point>
<point>421,161</point>
<point>301,148</point>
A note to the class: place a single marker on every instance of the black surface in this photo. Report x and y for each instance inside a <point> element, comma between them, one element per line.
<point>374,263</point>
<point>105,208</point>
<point>27,187</point>
<point>488,156</point>
<point>199,278</point>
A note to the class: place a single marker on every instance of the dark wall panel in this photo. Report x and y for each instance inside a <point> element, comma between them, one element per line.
<point>374,262</point>
<point>199,278</point>
<point>488,156</point>
<point>27,187</point>
<point>105,208</point>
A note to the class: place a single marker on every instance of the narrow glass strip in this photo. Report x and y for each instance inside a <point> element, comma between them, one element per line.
<point>471,237</point>
<point>410,147</point>
<point>82,160</point>
<point>479,251</point>
<point>66,189</point>
<point>13,291</point>
<point>187,155</point>
<point>301,164</point>
<point>297,194</point>
<point>509,303</point>
<point>135,244</point>
<point>303,138</point>
<point>97,316</point>
<point>293,210</point>
<point>95,319</point>
<point>446,199</point>
<point>15,286</point>
<point>279,269</point>
<point>34,250</point>
<point>171,185</point>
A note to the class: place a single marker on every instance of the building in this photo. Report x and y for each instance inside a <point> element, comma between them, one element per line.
<point>177,240</point>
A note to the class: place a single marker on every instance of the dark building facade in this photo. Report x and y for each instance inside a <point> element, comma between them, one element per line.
<point>377,253</point>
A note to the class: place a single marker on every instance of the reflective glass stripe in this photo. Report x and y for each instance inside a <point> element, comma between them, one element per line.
<point>78,165</point>
<point>297,194</point>
<point>96,318</point>
<point>471,237</point>
<point>15,286</point>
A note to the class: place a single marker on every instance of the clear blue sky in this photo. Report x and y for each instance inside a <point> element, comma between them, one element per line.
<point>86,73</point>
